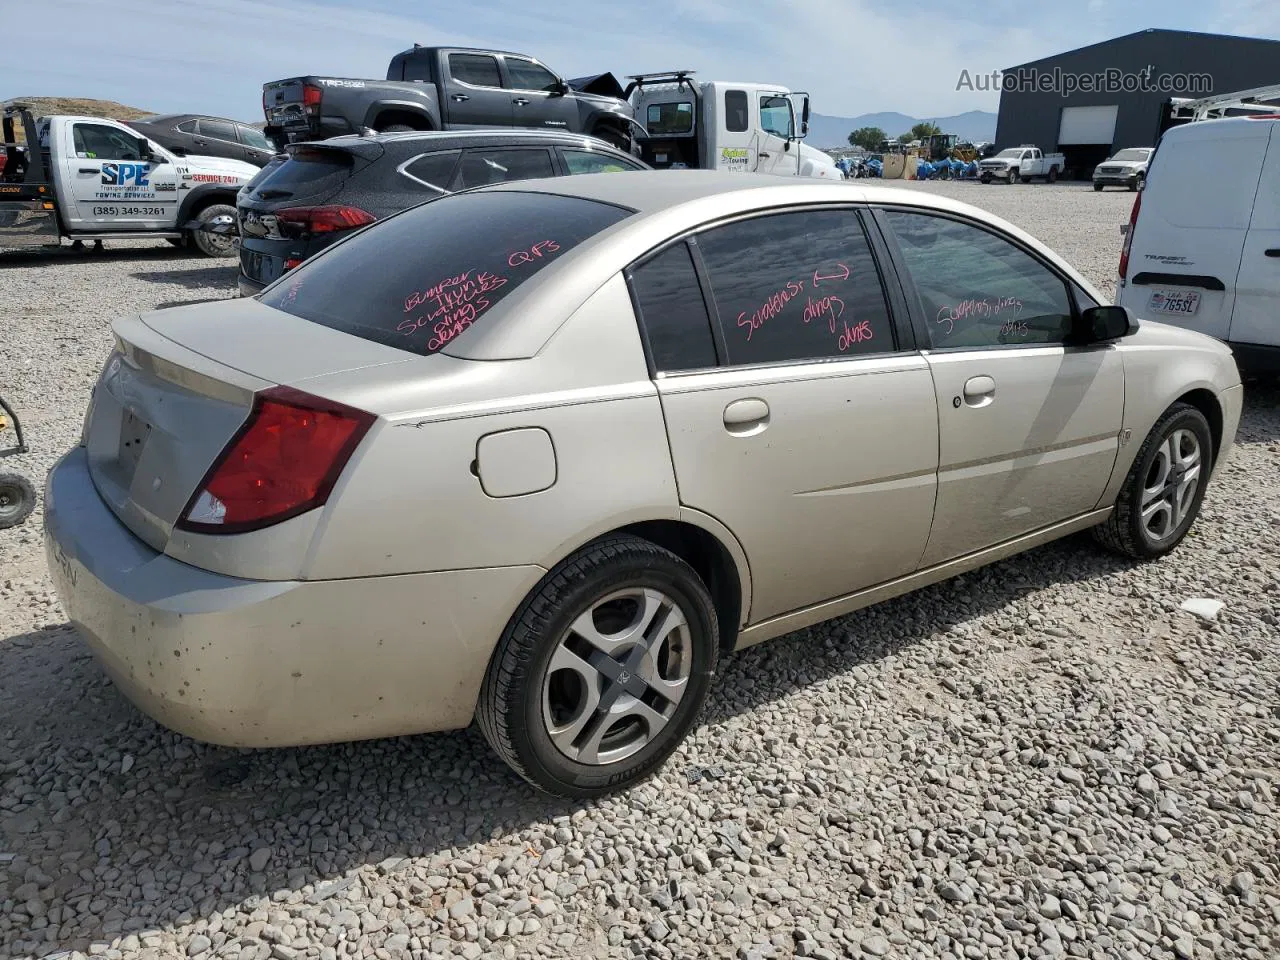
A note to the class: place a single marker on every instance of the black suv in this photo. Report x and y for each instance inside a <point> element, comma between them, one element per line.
<point>297,207</point>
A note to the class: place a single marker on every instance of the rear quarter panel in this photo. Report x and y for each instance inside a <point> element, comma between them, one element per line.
<point>412,500</point>
<point>1161,365</point>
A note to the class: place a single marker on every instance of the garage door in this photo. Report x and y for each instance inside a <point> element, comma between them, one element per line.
<point>1092,125</point>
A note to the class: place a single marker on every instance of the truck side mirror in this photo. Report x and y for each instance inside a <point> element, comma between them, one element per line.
<point>804,118</point>
<point>560,89</point>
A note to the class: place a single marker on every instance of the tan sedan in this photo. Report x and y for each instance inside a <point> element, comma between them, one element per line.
<point>542,453</point>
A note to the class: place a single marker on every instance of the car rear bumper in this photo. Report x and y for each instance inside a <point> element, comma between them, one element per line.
<point>248,287</point>
<point>272,663</point>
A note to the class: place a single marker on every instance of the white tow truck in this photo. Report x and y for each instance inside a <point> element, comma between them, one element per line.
<point>87,178</point>
<point>1021,163</point>
<point>720,125</point>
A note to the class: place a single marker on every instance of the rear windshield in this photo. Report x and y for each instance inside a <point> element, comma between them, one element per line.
<point>305,173</point>
<point>419,280</point>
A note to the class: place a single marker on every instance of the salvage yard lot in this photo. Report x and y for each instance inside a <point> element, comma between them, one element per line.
<point>1042,758</point>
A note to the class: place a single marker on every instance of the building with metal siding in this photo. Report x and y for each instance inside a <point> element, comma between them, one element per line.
<point>1090,125</point>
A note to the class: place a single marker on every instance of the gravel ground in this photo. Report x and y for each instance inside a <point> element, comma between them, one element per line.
<point>1040,759</point>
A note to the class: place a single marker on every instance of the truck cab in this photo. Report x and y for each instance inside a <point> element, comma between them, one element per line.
<point>722,125</point>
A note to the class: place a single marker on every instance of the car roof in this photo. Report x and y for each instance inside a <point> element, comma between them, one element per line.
<point>469,137</point>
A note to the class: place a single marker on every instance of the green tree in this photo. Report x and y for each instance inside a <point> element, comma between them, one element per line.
<point>906,137</point>
<point>926,129</point>
<point>868,138</point>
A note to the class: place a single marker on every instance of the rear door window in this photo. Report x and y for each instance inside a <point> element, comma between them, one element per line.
<point>218,130</point>
<point>484,165</point>
<point>797,286</point>
<point>477,70</point>
<point>386,285</point>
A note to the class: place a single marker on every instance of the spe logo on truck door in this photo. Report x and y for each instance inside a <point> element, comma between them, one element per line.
<point>126,181</point>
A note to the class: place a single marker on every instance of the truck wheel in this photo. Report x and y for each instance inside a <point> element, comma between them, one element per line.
<point>214,244</point>
<point>17,499</point>
<point>1013,176</point>
<point>985,178</point>
<point>1053,175</point>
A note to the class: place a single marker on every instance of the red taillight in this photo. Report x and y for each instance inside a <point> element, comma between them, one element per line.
<point>283,461</point>
<point>1128,236</point>
<point>310,96</point>
<point>291,263</point>
<point>301,221</point>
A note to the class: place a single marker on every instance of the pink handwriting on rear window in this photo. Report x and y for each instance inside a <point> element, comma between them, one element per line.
<point>985,308</point>
<point>851,336</point>
<point>841,272</point>
<point>537,252</point>
<point>450,306</point>
<point>771,307</point>
<point>830,307</point>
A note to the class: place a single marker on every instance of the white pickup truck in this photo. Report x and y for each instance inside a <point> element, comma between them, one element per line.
<point>86,178</point>
<point>1021,163</point>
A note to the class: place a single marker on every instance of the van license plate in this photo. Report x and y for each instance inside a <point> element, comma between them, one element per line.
<point>1177,303</point>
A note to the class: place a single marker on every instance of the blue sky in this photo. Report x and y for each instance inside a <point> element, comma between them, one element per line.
<point>853,56</point>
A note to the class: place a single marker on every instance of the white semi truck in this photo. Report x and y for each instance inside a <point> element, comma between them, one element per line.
<point>720,125</point>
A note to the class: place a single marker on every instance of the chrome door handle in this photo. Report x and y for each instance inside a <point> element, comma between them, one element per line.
<point>744,418</point>
<point>979,391</point>
<point>460,97</point>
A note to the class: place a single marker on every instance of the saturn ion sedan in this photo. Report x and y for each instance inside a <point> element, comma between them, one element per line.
<point>540,454</point>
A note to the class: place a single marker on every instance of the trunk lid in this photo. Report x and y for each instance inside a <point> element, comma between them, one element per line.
<point>180,384</point>
<point>312,174</point>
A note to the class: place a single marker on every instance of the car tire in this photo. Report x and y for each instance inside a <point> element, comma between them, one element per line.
<point>545,720</point>
<point>17,499</point>
<point>1097,188</point>
<point>212,244</point>
<point>985,178</point>
<point>1053,175</point>
<point>1155,509</point>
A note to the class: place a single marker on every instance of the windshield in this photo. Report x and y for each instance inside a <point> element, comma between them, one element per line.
<point>1135,155</point>
<point>776,116</point>
<point>1012,154</point>
<point>419,280</point>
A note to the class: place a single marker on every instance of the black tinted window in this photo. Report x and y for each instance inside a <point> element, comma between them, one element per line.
<point>979,290</point>
<point>736,117</point>
<point>496,165</point>
<point>187,126</point>
<point>527,75</point>
<point>477,70</point>
<point>385,284</point>
<point>419,66</point>
<point>434,171</point>
<point>305,174</point>
<point>218,130</point>
<point>673,312</point>
<point>797,286</point>
<point>253,137</point>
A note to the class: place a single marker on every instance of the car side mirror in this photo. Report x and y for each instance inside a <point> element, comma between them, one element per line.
<point>1106,323</point>
<point>560,89</point>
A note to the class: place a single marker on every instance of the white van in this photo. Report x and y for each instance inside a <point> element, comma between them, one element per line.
<point>1202,249</point>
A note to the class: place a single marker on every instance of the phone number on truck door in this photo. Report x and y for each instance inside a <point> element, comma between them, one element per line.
<point>128,211</point>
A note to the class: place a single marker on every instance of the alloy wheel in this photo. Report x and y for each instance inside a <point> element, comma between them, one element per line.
<point>1171,483</point>
<point>617,676</point>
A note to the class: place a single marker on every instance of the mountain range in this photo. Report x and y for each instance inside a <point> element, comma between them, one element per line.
<point>825,131</point>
